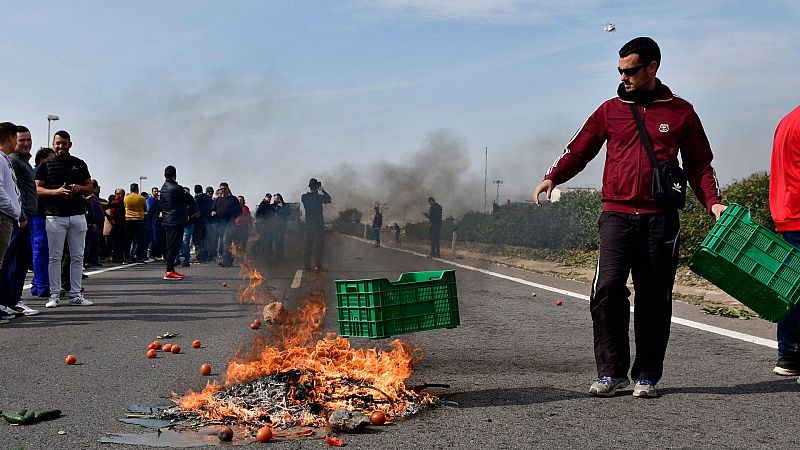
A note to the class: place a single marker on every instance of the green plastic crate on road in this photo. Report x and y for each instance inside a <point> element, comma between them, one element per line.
<point>380,308</point>
<point>751,263</point>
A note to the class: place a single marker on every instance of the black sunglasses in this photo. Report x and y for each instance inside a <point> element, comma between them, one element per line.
<point>630,71</point>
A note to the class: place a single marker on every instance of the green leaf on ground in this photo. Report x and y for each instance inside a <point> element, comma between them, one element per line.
<point>727,311</point>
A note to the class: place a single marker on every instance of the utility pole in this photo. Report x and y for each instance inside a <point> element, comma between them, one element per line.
<point>498,183</point>
<point>485,176</point>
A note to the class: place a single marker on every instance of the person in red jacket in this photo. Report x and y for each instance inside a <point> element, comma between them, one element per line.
<point>784,204</point>
<point>638,235</point>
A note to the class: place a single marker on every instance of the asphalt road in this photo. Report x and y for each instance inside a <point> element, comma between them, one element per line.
<point>519,366</point>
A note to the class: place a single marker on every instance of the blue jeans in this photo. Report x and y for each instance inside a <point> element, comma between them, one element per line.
<point>187,239</point>
<point>41,280</point>
<point>789,326</point>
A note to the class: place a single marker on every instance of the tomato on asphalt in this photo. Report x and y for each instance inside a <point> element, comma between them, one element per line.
<point>166,348</point>
<point>175,348</point>
<point>205,370</point>
<point>264,434</point>
<point>377,418</point>
<point>196,344</point>
<point>225,434</point>
<point>71,359</point>
<point>151,353</point>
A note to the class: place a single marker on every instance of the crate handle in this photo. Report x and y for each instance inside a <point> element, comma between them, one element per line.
<point>350,289</point>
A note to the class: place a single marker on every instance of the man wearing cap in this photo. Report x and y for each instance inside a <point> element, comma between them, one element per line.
<point>315,224</point>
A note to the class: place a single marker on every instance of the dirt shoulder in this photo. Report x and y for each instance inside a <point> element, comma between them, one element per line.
<point>689,287</point>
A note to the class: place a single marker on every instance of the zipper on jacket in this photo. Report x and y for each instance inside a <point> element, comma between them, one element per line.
<point>639,161</point>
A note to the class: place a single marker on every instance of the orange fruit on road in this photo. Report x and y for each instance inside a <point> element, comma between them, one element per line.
<point>224,284</point>
<point>167,348</point>
<point>151,353</point>
<point>71,359</point>
<point>205,370</point>
<point>157,345</point>
<point>196,344</point>
<point>225,434</point>
<point>176,348</point>
<point>558,302</point>
<point>264,434</point>
<point>255,325</point>
<point>377,418</point>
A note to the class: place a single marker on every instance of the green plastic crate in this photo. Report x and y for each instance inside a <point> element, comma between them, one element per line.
<point>751,263</point>
<point>380,308</point>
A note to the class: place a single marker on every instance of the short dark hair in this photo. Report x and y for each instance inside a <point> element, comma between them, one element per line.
<point>22,129</point>
<point>134,187</point>
<point>198,188</point>
<point>209,189</point>
<point>431,199</point>
<point>645,47</point>
<point>170,172</point>
<point>224,184</point>
<point>7,130</point>
<point>94,183</point>
<point>62,134</point>
<point>42,154</point>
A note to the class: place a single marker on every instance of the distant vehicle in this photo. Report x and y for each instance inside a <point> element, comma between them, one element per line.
<point>609,28</point>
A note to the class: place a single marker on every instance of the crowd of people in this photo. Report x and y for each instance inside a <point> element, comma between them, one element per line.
<point>54,222</point>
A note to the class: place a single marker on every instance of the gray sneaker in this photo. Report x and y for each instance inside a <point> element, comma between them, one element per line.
<point>607,386</point>
<point>80,301</point>
<point>644,389</point>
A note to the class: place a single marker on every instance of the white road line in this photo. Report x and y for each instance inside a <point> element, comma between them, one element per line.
<point>298,277</point>
<point>685,322</point>
<point>95,272</point>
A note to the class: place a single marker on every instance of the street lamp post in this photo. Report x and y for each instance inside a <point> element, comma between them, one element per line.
<point>50,118</point>
<point>498,183</point>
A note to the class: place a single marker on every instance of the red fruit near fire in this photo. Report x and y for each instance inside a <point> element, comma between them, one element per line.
<point>167,348</point>
<point>334,441</point>
<point>558,302</point>
<point>157,345</point>
<point>255,325</point>
<point>71,359</point>
<point>224,284</point>
<point>377,418</point>
<point>225,434</point>
<point>175,348</point>
<point>264,434</point>
<point>196,344</point>
<point>205,370</point>
<point>151,347</point>
<point>151,353</point>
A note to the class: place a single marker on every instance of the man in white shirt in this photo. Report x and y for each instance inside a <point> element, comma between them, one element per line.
<point>10,206</point>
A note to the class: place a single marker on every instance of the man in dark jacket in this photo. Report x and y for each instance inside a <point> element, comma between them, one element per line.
<point>203,204</point>
<point>315,223</point>
<point>226,209</point>
<point>174,202</point>
<point>434,215</point>
<point>377,223</point>
<point>638,235</point>
<point>265,215</point>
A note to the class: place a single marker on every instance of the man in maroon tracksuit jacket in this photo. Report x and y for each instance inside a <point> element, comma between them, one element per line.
<point>637,235</point>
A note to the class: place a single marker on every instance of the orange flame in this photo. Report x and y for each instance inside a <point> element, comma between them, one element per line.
<point>337,371</point>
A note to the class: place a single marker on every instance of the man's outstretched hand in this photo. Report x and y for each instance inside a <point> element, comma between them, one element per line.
<point>545,186</point>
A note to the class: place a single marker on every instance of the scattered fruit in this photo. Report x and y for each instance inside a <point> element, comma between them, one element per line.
<point>558,302</point>
<point>377,418</point>
<point>71,359</point>
<point>255,325</point>
<point>151,353</point>
<point>334,441</point>
<point>167,348</point>
<point>157,345</point>
<point>264,434</point>
<point>205,370</point>
<point>225,434</point>
<point>224,284</point>
<point>196,344</point>
<point>175,348</point>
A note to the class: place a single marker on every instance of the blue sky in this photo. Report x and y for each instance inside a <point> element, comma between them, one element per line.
<point>267,94</point>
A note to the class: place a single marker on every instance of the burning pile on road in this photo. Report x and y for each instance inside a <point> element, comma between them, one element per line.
<point>291,376</point>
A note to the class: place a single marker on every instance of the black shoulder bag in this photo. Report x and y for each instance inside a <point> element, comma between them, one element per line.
<point>669,180</point>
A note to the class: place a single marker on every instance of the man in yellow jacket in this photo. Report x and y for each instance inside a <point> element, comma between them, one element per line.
<point>135,208</point>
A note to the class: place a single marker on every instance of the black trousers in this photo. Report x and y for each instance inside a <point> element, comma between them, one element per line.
<point>173,245</point>
<point>134,240</point>
<point>199,237</point>
<point>645,246</point>
<point>118,242</point>
<point>436,232</point>
<point>315,244</point>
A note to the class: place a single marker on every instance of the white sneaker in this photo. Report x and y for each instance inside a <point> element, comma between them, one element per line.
<point>7,313</point>
<point>52,303</point>
<point>25,309</point>
<point>80,301</point>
